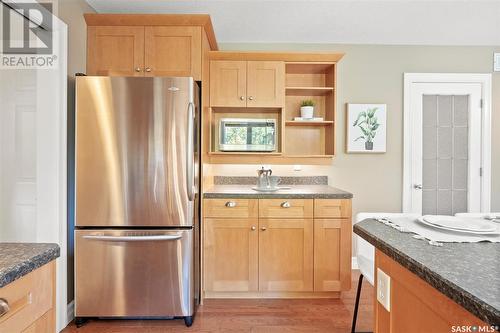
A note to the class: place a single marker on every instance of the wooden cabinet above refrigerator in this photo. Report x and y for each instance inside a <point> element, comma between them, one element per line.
<point>148,44</point>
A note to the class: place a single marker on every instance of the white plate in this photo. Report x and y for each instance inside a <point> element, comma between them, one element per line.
<point>460,223</point>
<point>269,189</point>
<point>421,220</point>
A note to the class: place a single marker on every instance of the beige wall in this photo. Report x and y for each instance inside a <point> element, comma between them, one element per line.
<point>374,74</point>
<point>71,12</point>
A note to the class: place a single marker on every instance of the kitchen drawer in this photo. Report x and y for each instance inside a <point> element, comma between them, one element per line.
<point>332,208</point>
<point>29,299</point>
<point>286,208</point>
<point>230,208</point>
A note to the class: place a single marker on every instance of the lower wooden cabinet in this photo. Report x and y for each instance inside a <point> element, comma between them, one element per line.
<point>286,255</point>
<point>332,254</point>
<point>31,300</point>
<point>231,249</point>
<point>297,254</point>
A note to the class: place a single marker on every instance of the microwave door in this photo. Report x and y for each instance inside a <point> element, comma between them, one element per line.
<point>257,135</point>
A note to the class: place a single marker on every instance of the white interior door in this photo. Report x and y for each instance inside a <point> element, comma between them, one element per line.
<point>444,146</point>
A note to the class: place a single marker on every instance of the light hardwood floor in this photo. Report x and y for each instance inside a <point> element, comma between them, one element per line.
<point>273,316</point>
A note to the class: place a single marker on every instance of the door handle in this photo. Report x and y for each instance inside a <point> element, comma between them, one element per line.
<point>148,69</point>
<point>133,238</point>
<point>250,98</point>
<point>242,98</point>
<point>4,307</point>
<point>286,204</point>
<point>417,186</point>
<point>138,69</point>
<point>263,228</point>
<point>190,153</point>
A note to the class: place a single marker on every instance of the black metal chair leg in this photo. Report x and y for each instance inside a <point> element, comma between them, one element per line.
<point>356,305</point>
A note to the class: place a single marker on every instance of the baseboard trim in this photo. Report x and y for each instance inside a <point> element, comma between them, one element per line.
<point>271,294</point>
<point>71,311</point>
<point>354,263</point>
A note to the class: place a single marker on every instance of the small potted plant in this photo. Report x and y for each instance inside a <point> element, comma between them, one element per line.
<point>307,109</point>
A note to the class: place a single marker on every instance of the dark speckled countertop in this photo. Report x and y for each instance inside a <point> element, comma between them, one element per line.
<point>468,273</point>
<point>295,192</point>
<point>18,259</point>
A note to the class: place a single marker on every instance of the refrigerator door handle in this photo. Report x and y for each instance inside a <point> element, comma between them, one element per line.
<point>190,153</point>
<point>133,238</point>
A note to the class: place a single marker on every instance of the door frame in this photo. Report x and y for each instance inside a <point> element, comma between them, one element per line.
<point>410,82</point>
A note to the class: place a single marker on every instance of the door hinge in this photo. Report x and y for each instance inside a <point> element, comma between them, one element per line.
<point>481,103</point>
<point>480,172</point>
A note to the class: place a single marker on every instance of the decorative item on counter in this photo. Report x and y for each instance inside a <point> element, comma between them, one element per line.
<point>307,109</point>
<point>366,128</point>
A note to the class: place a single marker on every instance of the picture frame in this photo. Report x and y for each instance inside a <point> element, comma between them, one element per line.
<point>366,128</point>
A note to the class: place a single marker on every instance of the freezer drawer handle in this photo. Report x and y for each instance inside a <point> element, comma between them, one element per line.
<point>134,238</point>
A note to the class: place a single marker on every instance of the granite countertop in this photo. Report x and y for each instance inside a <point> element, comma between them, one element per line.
<point>468,273</point>
<point>18,259</point>
<point>295,192</point>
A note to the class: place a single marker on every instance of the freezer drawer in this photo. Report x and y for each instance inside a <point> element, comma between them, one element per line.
<point>134,273</point>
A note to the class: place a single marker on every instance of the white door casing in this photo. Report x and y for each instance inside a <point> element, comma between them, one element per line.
<point>478,88</point>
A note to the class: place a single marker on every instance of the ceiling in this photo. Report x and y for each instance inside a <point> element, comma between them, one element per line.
<point>407,22</point>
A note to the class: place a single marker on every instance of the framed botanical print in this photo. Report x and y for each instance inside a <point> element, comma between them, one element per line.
<point>366,128</point>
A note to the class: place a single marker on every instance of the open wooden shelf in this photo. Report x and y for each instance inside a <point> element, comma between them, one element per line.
<point>308,123</point>
<point>308,91</point>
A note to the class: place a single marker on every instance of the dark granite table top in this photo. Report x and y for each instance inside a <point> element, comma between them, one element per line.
<point>468,273</point>
<point>18,259</point>
<point>295,192</point>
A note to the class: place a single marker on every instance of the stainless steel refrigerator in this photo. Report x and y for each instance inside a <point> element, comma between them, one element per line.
<point>137,204</point>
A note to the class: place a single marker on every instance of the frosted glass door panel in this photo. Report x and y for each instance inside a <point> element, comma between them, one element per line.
<point>445,154</point>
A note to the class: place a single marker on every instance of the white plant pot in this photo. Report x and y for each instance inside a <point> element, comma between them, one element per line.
<point>307,112</point>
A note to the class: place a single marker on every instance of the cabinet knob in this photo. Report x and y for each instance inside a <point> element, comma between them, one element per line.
<point>138,69</point>
<point>286,204</point>
<point>263,228</point>
<point>148,69</point>
<point>4,307</point>
<point>253,228</point>
<point>250,98</point>
<point>242,98</point>
<point>230,204</point>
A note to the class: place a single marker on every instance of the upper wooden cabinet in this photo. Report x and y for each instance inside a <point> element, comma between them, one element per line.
<point>148,45</point>
<point>247,83</point>
<point>173,51</point>
<point>115,51</point>
<point>228,83</point>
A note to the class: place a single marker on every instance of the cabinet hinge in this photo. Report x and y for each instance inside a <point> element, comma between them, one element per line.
<point>480,172</point>
<point>481,103</point>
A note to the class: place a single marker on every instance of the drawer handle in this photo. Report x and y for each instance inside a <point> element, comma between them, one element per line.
<point>4,307</point>
<point>286,204</point>
<point>230,204</point>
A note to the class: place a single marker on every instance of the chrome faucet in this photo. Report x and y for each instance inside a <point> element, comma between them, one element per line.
<point>264,172</point>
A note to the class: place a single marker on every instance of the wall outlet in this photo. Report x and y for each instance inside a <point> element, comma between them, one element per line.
<point>384,289</point>
<point>496,62</point>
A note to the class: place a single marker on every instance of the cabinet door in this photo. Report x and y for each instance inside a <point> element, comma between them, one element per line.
<point>286,255</point>
<point>115,51</point>
<point>332,254</point>
<point>231,254</point>
<point>265,83</point>
<point>228,81</point>
<point>173,51</point>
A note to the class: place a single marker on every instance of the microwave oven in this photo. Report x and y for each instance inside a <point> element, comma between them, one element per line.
<point>253,135</point>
